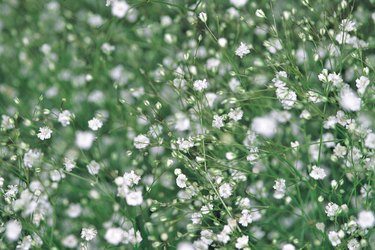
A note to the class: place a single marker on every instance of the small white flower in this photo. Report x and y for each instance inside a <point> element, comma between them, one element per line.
<point>13,230</point>
<point>289,247</point>
<point>200,85</point>
<point>238,3</point>
<point>69,164</point>
<point>242,50</point>
<point>334,238</point>
<point>130,179</point>
<point>353,244</point>
<point>65,117</point>
<point>44,133</point>
<point>317,173</point>
<point>181,180</point>
<point>70,241</point>
<point>93,167</point>
<point>246,218</point>
<point>141,141</point>
<point>242,242</point>
<point>225,190</point>
<point>366,219</point>
<point>280,188</point>
<point>7,122</point>
<point>114,235</point>
<point>84,139</point>
<point>349,100</point>
<point>196,218</point>
<point>134,198</point>
<point>362,84</point>
<point>184,144</point>
<point>88,234</point>
<point>347,25</point>
<point>218,121</point>
<point>370,141</point>
<point>31,157</point>
<point>235,114</point>
<point>335,79</point>
<point>95,124</point>
<point>119,8</point>
<point>332,209</point>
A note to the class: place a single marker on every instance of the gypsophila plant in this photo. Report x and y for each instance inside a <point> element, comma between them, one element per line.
<point>187,124</point>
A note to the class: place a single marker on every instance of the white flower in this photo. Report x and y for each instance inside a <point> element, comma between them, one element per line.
<point>114,235</point>
<point>196,218</point>
<point>265,126</point>
<point>74,210</point>
<point>200,85</point>
<point>238,3</point>
<point>305,114</point>
<point>65,117</point>
<point>218,121</point>
<point>332,209</point>
<point>13,230</point>
<point>141,141</point>
<point>347,25</point>
<point>370,141</point>
<point>203,17</point>
<point>181,180</point>
<point>134,198</point>
<point>334,238</point>
<point>280,188</point>
<point>366,219</point>
<point>93,167</point>
<point>362,84</point>
<point>84,139</point>
<point>184,144</point>
<point>44,133</point>
<point>242,50</point>
<point>225,190</point>
<point>31,157</point>
<point>288,247</point>
<point>335,79</point>
<point>95,124</point>
<point>349,100</point>
<point>242,242</point>
<point>287,97</point>
<point>246,218</point>
<point>7,122</point>
<point>235,114</point>
<point>323,76</point>
<point>69,164</point>
<point>318,173</point>
<point>88,233</point>
<point>340,151</point>
<point>130,179</point>
<point>353,244</point>
<point>119,8</point>
<point>70,241</point>
<point>320,226</point>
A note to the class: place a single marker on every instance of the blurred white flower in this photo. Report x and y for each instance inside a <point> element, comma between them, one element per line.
<point>84,139</point>
<point>13,230</point>
<point>141,141</point>
<point>119,8</point>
